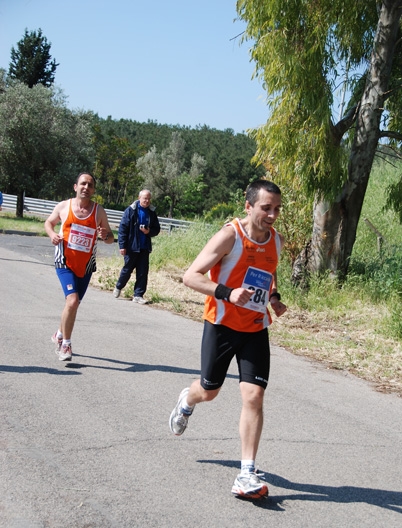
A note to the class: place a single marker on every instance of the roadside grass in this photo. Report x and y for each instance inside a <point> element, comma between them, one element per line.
<point>28,224</point>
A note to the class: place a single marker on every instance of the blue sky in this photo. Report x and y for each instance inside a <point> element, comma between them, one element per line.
<point>168,61</point>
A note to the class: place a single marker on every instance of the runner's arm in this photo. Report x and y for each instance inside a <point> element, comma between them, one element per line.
<point>50,223</point>
<point>278,307</point>
<point>104,230</point>
<point>216,248</point>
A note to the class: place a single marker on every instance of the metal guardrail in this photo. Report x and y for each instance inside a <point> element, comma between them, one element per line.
<point>45,207</point>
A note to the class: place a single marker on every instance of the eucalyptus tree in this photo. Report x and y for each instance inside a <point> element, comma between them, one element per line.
<point>303,52</point>
<point>31,62</point>
<point>43,145</point>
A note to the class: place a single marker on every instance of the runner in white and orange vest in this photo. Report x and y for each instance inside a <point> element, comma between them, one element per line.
<point>236,270</point>
<point>82,223</point>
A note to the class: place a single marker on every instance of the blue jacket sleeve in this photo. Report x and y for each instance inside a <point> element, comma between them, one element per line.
<point>124,229</point>
<point>154,226</point>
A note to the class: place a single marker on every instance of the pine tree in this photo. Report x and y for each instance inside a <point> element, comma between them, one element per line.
<point>31,63</point>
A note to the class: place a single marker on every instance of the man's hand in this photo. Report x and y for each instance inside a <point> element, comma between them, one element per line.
<point>278,307</point>
<point>240,296</point>
<point>56,239</point>
<point>103,233</point>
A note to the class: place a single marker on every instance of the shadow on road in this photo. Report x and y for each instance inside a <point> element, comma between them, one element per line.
<point>127,366</point>
<point>33,369</point>
<point>389,500</point>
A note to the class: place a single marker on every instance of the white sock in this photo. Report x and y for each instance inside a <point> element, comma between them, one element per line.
<point>59,335</point>
<point>66,342</point>
<point>186,407</point>
<point>247,466</point>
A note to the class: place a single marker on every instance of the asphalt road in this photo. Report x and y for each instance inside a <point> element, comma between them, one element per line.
<point>88,444</point>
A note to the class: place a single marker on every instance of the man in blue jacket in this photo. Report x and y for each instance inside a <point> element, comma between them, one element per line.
<point>138,224</point>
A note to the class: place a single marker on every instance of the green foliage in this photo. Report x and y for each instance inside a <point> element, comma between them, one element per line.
<point>192,199</point>
<point>221,211</point>
<point>118,181</point>
<point>393,325</point>
<point>294,222</point>
<point>3,80</point>
<point>167,176</point>
<point>29,224</point>
<point>384,219</point>
<point>392,169</point>
<point>228,157</point>
<point>43,145</point>
<point>375,272</point>
<point>299,49</point>
<point>225,212</point>
<point>31,63</point>
<point>181,247</point>
<point>304,51</point>
<point>376,269</point>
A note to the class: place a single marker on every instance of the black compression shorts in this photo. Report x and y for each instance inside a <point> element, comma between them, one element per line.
<point>220,344</point>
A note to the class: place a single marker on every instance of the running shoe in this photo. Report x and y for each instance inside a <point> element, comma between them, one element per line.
<point>250,486</point>
<point>179,417</point>
<point>140,300</point>
<point>57,341</point>
<point>65,353</point>
<point>116,293</point>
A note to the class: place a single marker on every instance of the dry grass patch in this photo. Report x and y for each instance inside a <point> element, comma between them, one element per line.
<point>353,343</point>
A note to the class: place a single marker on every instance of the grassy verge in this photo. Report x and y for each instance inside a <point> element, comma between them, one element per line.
<point>28,224</point>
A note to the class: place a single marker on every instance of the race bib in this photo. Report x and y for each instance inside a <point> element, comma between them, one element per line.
<point>260,281</point>
<point>81,238</point>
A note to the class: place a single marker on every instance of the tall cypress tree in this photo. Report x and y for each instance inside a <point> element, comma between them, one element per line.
<point>31,63</point>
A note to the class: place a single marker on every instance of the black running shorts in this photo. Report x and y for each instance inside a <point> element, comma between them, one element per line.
<point>220,344</point>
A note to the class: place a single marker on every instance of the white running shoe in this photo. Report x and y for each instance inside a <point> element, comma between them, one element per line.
<point>140,300</point>
<point>65,353</point>
<point>57,341</point>
<point>249,486</point>
<point>179,418</point>
<point>116,293</point>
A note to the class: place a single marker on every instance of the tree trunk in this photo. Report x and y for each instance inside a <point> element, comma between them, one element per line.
<point>335,224</point>
<point>20,204</point>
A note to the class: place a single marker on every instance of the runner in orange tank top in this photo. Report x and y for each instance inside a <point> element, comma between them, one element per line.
<point>82,222</point>
<point>236,271</point>
<point>253,265</point>
<point>78,250</point>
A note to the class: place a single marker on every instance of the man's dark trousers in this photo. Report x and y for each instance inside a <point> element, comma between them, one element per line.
<point>140,262</point>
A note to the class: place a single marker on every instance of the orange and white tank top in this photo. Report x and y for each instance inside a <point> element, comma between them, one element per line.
<point>78,249</point>
<point>250,264</point>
